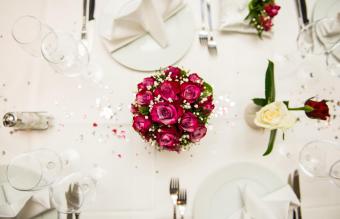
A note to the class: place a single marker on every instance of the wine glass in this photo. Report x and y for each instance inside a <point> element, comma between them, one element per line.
<point>28,31</point>
<point>65,54</point>
<point>318,158</point>
<point>70,193</point>
<point>34,170</point>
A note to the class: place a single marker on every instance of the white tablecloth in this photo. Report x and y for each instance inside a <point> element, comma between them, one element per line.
<point>136,185</point>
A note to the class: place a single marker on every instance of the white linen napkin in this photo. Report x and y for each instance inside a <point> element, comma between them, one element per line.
<point>22,205</point>
<point>147,17</point>
<point>232,14</point>
<point>329,34</point>
<point>273,206</point>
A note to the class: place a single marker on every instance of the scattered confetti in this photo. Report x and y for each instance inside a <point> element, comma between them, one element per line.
<point>94,125</point>
<point>119,155</point>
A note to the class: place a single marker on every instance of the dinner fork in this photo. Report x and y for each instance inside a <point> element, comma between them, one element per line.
<point>174,189</point>
<point>182,202</point>
<point>212,46</point>
<point>203,34</point>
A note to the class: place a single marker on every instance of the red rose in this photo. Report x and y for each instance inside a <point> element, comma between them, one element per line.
<point>141,124</point>
<point>168,90</point>
<point>190,91</point>
<point>166,113</point>
<point>266,23</point>
<point>174,72</point>
<point>189,122</point>
<point>198,134</point>
<point>319,110</point>
<point>147,82</point>
<point>207,106</point>
<point>134,109</point>
<point>194,78</point>
<point>144,97</point>
<point>272,9</point>
<point>168,138</point>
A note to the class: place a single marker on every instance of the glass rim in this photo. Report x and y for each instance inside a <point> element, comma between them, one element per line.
<point>20,19</point>
<point>36,187</point>
<point>79,42</point>
<point>304,169</point>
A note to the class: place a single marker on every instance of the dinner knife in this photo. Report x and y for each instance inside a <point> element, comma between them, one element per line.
<point>84,21</point>
<point>91,10</point>
<point>290,183</point>
<point>296,188</point>
<point>303,8</point>
<point>298,9</point>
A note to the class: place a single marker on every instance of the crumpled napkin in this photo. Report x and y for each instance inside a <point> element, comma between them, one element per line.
<point>232,14</point>
<point>273,206</point>
<point>22,205</point>
<point>328,32</point>
<point>147,17</point>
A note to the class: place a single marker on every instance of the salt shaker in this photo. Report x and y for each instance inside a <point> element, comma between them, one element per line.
<point>26,120</point>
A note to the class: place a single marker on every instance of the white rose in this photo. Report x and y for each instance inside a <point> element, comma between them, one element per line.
<point>275,116</point>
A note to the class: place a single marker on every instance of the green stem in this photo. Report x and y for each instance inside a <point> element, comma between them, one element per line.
<point>303,108</point>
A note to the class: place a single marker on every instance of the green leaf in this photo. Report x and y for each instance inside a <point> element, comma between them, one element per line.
<point>271,142</point>
<point>270,83</point>
<point>260,101</point>
<point>208,91</point>
<point>286,103</point>
<point>144,110</point>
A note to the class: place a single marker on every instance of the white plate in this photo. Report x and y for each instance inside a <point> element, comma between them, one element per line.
<point>326,8</point>
<point>145,54</point>
<point>219,196</point>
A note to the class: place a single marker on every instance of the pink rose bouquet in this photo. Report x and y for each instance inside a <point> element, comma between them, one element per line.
<point>171,109</point>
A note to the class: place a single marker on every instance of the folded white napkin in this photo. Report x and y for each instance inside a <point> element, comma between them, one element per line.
<point>273,206</point>
<point>22,205</point>
<point>147,17</point>
<point>328,32</point>
<point>232,14</point>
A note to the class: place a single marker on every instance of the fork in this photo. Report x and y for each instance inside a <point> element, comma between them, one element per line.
<point>83,35</point>
<point>212,46</point>
<point>182,202</point>
<point>203,34</point>
<point>174,189</point>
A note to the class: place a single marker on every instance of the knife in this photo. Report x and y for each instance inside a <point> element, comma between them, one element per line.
<point>296,188</point>
<point>92,8</point>
<point>303,8</point>
<point>89,24</point>
<point>84,20</point>
<point>290,183</point>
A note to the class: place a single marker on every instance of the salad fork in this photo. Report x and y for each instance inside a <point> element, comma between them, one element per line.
<point>182,202</point>
<point>174,189</point>
<point>212,46</point>
<point>203,34</point>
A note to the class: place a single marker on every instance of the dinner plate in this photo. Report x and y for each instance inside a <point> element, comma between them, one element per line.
<point>219,195</point>
<point>144,54</point>
<point>326,8</point>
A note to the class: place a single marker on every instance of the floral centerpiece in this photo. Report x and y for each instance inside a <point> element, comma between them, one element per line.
<point>171,109</point>
<point>261,14</point>
<point>277,115</point>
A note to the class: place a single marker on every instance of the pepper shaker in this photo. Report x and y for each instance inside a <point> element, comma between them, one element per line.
<point>26,120</point>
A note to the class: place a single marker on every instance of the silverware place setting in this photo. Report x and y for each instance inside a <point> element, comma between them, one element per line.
<point>179,198</point>
<point>206,35</point>
<point>294,182</point>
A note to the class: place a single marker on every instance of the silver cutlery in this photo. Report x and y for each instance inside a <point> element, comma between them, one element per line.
<point>296,188</point>
<point>302,13</point>
<point>182,202</point>
<point>212,46</point>
<point>83,35</point>
<point>174,189</point>
<point>291,208</point>
<point>73,199</point>
<point>203,34</point>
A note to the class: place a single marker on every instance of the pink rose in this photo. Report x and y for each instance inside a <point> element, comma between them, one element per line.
<point>189,122</point>
<point>272,9</point>
<point>266,23</point>
<point>165,113</point>
<point>194,78</point>
<point>207,106</point>
<point>174,72</point>
<point>147,82</point>
<point>198,134</point>
<point>168,90</point>
<point>141,124</point>
<point>168,138</point>
<point>190,91</point>
<point>144,97</point>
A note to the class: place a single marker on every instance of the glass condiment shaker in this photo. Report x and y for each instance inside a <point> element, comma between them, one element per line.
<point>26,120</point>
